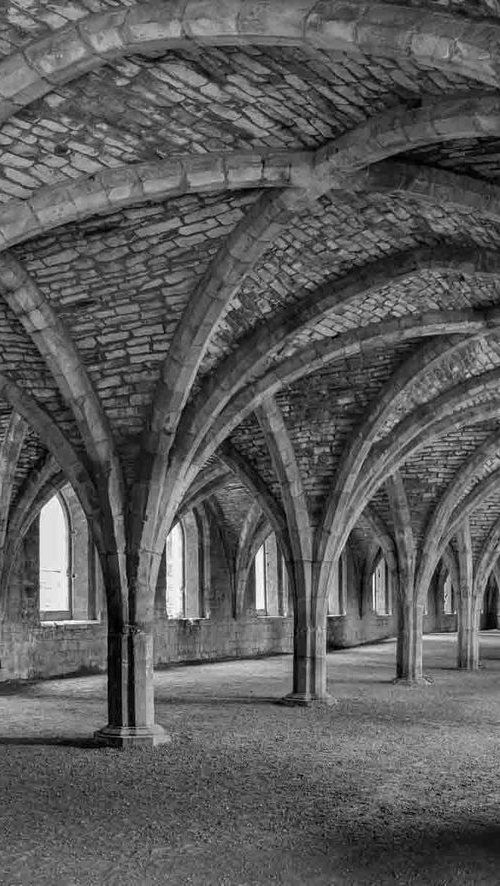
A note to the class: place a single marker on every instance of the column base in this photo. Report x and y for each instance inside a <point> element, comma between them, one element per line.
<point>132,736</point>
<point>413,682</point>
<point>306,700</point>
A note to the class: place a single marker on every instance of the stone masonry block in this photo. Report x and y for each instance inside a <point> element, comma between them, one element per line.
<point>61,56</point>
<point>104,34</point>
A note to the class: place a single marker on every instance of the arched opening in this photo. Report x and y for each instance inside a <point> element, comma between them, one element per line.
<point>338,588</point>
<point>175,560</point>
<point>261,581</point>
<point>271,590</point>
<point>182,576</point>
<point>54,561</point>
<point>489,619</point>
<point>448,596</point>
<point>381,588</point>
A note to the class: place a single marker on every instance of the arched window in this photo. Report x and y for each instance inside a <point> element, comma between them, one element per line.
<point>448,603</point>
<point>285,607</point>
<point>337,595</point>
<point>260,581</point>
<point>175,597</point>
<point>381,596</point>
<point>55,597</point>
<point>271,583</point>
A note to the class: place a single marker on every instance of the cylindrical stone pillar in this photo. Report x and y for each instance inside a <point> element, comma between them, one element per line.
<point>467,633</point>
<point>130,689</point>
<point>309,664</point>
<point>409,641</point>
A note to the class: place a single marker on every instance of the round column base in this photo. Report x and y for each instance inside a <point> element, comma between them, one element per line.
<point>413,682</point>
<point>132,736</point>
<point>304,700</point>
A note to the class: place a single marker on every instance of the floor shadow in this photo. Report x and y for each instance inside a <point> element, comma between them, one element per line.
<point>217,699</point>
<point>16,688</point>
<point>50,741</point>
<point>438,856</point>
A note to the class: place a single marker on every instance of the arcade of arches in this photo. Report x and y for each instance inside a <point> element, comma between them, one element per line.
<point>250,335</point>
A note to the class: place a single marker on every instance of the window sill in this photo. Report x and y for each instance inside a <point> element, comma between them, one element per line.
<point>69,622</point>
<point>266,615</point>
<point>186,620</point>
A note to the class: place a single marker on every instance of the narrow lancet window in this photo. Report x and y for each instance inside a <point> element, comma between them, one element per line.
<point>54,559</point>
<point>175,602</point>
<point>381,596</point>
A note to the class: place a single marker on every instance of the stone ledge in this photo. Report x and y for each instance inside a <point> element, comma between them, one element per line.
<point>69,623</point>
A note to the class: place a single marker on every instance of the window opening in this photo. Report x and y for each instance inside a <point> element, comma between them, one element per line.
<point>260,581</point>
<point>336,602</point>
<point>54,559</point>
<point>448,596</point>
<point>381,588</point>
<point>175,597</point>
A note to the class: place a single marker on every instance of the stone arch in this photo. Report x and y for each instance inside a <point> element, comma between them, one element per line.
<point>319,354</point>
<point>238,368</point>
<point>41,484</point>
<point>10,451</point>
<point>422,426</point>
<point>61,356</point>
<point>381,540</point>
<point>439,41</point>
<point>245,560</point>
<point>124,186</point>
<point>445,507</point>
<point>61,450</point>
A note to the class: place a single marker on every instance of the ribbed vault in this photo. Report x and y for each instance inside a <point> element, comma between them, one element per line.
<point>249,256</point>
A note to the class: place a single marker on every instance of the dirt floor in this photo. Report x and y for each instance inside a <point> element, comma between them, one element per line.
<point>390,785</point>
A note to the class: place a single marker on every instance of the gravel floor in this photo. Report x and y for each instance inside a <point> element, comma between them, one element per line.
<point>390,785</point>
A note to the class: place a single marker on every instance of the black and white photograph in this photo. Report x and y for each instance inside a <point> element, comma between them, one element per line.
<point>249,442</point>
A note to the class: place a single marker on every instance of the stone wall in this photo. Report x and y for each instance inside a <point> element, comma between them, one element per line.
<point>29,649</point>
<point>212,639</point>
<point>351,630</point>
<point>50,650</point>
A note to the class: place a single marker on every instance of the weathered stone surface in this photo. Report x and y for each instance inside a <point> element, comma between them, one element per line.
<point>197,227</point>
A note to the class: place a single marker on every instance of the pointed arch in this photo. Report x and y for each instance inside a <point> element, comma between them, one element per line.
<point>319,354</point>
<point>253,352</point>
<point>10,450</point>
<point>61,356</point>
<point>287,471</point>
<point>445,506</point>
<point>255,530</point>
<point>54,559</point>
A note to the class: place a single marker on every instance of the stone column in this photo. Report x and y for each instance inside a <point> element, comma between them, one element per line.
<point>410,641</point>
<point>131,714</point>
<point>309,663</point>
<point>467,605</point>
<point>131,719</point>
<point>467,631</point>
<point>309,644</point>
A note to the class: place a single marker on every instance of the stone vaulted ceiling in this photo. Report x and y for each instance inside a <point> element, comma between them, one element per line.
<point>251,251</point>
